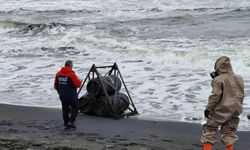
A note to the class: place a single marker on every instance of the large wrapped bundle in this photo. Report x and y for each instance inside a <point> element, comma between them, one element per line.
<point>86,104</point>
<point>113,106</point>
<point>103,106</point>
<point>111,83</point>
<point>95,102</point>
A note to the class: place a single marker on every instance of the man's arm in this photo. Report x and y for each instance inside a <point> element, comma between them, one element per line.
<point>215,97</point>
<point>55,83</point>
<point>76,81</point>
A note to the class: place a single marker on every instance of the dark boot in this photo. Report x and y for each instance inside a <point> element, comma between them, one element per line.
<point>72,125</point>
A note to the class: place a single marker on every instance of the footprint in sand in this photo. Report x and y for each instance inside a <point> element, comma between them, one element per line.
<point>153,135</point>
<point>166,140</point>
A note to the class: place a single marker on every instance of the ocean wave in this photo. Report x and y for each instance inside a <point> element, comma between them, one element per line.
<point>48,12</point>
<point>169,20</point>
<point>238,13</point>
<point>243,9</point>
<point>219,11</point>
<point>16,28</point>
<point>34,29</point>
<point>11,24</point>
<point>13,11</point>
<point>202,9</point>
<point>68,11</point>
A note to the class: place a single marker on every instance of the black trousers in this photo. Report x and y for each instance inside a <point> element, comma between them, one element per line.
<point>70,111</point>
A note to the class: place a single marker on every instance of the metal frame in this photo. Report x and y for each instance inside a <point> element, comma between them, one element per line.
<point>114,70</point>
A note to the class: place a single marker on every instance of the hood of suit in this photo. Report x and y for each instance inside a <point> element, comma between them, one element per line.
<point>223,65</point>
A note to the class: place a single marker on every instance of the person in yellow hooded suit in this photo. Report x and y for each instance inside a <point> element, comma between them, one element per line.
<point>224,105</point>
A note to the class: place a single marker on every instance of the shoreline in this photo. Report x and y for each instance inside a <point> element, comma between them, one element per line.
<point>25,127</point>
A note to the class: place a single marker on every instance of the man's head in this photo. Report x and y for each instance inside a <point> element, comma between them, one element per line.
<point>69,63</point>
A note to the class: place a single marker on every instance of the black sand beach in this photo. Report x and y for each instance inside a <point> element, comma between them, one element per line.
<point>33,128</point>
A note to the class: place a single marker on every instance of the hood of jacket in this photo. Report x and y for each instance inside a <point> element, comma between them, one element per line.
<point>223,65</point>
<point>66,70</point>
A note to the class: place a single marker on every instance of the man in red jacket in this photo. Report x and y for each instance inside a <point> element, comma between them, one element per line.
<point>66,83</point>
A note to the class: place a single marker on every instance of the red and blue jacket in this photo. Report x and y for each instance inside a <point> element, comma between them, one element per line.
<point>66,83</point>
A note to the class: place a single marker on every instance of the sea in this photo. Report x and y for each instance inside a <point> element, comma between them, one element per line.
<point>164,49</point>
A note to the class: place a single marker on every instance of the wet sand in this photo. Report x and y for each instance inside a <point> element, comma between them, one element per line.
<point>33,128</point>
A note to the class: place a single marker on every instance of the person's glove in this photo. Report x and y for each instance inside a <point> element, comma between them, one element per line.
<point>206,113</point>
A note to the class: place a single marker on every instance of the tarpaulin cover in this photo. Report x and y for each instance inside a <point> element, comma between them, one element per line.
<point>111,83</point>
<point>95,102</point>
<point>104,106</point>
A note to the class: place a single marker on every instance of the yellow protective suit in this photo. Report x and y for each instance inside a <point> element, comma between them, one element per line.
<point>224,104</point>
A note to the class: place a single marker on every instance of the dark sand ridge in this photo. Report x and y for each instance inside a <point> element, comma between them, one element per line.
<point>33,128</point>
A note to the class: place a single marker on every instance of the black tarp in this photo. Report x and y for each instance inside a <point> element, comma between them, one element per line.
<point>95,102</point>
<point>111,106</point>
<point>111,83</point>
